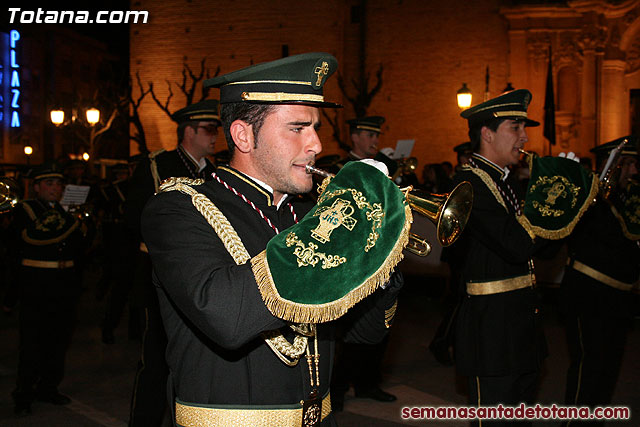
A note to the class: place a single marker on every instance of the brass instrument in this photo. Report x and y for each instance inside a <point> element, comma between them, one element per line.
<point>81,212</point>
<point>405,166</point>
<point>9,194</point>
<point>609,175</point>
<point>449,212</point>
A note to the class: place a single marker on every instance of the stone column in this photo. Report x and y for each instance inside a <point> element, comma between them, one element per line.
<point>588,106</point>
<point>614,117</point>
<point>592,42</point>
<point>538,50</point>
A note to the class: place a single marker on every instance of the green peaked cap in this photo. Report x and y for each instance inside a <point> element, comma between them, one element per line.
<point>511,105</point>
<point>372,123</point>
<point>203,111</point>
<point>629,149</point>
<point>464,148</point>
<point>46,170</point>
<point>290,80</point>
<point>340,252</point>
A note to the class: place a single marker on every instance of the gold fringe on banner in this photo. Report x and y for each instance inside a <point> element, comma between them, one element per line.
<point>317,313</point>
<point>629,235</point>
<point>563,232</point>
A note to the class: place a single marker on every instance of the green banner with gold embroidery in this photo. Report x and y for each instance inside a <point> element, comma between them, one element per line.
<point>559,192</point>
<point>50,227</point>
<point>340,252</point>
<point>627,211</point>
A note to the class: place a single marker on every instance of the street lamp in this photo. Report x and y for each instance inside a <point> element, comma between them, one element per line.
<point>57,117</point>
<point>28,151</point>
<point>93,116</point>
<point>464,96</point>
<point>85,156</point>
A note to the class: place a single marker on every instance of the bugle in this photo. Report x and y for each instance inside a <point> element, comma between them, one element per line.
<point>9,194</point>
<point>449,212</point>
<point>405,166</point>
<point>611,171</point>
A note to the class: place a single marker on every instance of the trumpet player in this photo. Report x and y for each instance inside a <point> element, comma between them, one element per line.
<point>603,266</point>
<point>233,357</point>
<point>197,132</point>
<point>359,363</point>
<point>499,342</point>
<point>50,243</point>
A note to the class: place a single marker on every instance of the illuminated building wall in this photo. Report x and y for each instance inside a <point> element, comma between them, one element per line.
<point>427,49</point>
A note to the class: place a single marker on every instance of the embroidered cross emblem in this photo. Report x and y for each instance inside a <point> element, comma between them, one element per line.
<point>321,71</point>
<point>556,190</point>
<point>333,217</point>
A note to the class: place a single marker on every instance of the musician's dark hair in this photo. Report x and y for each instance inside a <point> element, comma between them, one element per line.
<point>475,132</point>
<point>183,126</point>
<point>253,114</point>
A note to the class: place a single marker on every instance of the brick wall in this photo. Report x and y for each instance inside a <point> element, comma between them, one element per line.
<point>427,48</point>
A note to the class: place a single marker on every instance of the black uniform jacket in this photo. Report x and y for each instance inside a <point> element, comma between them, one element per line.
<point>174,163</point>
<point>497,334</point>
<point>598,242</point>
<point>44,232</point>
<point>212,310</point>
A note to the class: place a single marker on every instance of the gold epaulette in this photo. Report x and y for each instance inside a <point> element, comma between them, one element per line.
<point>489,182</point>
<point>175,183</point>
<point>153,154</point>
<point>154,168</point>
<point>233,244</point>
<point>212,214</point>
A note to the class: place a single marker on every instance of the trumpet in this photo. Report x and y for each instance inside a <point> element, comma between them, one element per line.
<point>405,166</point>
<point>611,171</point>
<point>449,212</point>
<point>9,194</point>
<point>526,153</point>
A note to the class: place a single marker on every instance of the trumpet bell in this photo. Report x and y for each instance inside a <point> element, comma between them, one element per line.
<point>449,212</point>
<point>9,194</point>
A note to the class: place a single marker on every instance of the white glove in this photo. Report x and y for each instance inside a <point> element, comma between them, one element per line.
<point>570,155</point>
<point>376,164</point>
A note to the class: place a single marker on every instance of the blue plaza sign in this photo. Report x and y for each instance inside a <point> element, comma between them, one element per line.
<point>14,84</point>
<point>10,111</point>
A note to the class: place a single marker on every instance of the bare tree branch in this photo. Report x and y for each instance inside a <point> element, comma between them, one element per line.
<point>205,90</point>
<point>132,106</point>
<point>164,107</point>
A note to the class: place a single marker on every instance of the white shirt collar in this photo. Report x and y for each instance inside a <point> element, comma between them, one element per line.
<point>202,163</point>
<point>505,169</point>
<point>269,189</point>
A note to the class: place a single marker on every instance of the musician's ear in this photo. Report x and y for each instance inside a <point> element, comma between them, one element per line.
<point>486,134</point>
<point>242,134</point>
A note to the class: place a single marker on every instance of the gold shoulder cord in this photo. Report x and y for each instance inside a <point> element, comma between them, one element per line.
<point>289,353</point>
<point>490,184</point>
<point>154,169</point>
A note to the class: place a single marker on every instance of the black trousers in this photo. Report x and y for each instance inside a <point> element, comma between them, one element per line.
<point>358,364</point>
<point>509,390</point>
<point>597,322</point>
<point>596,346</point>
<point>149,398</point>
<point>120,261</point>
<point>48,302</point>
